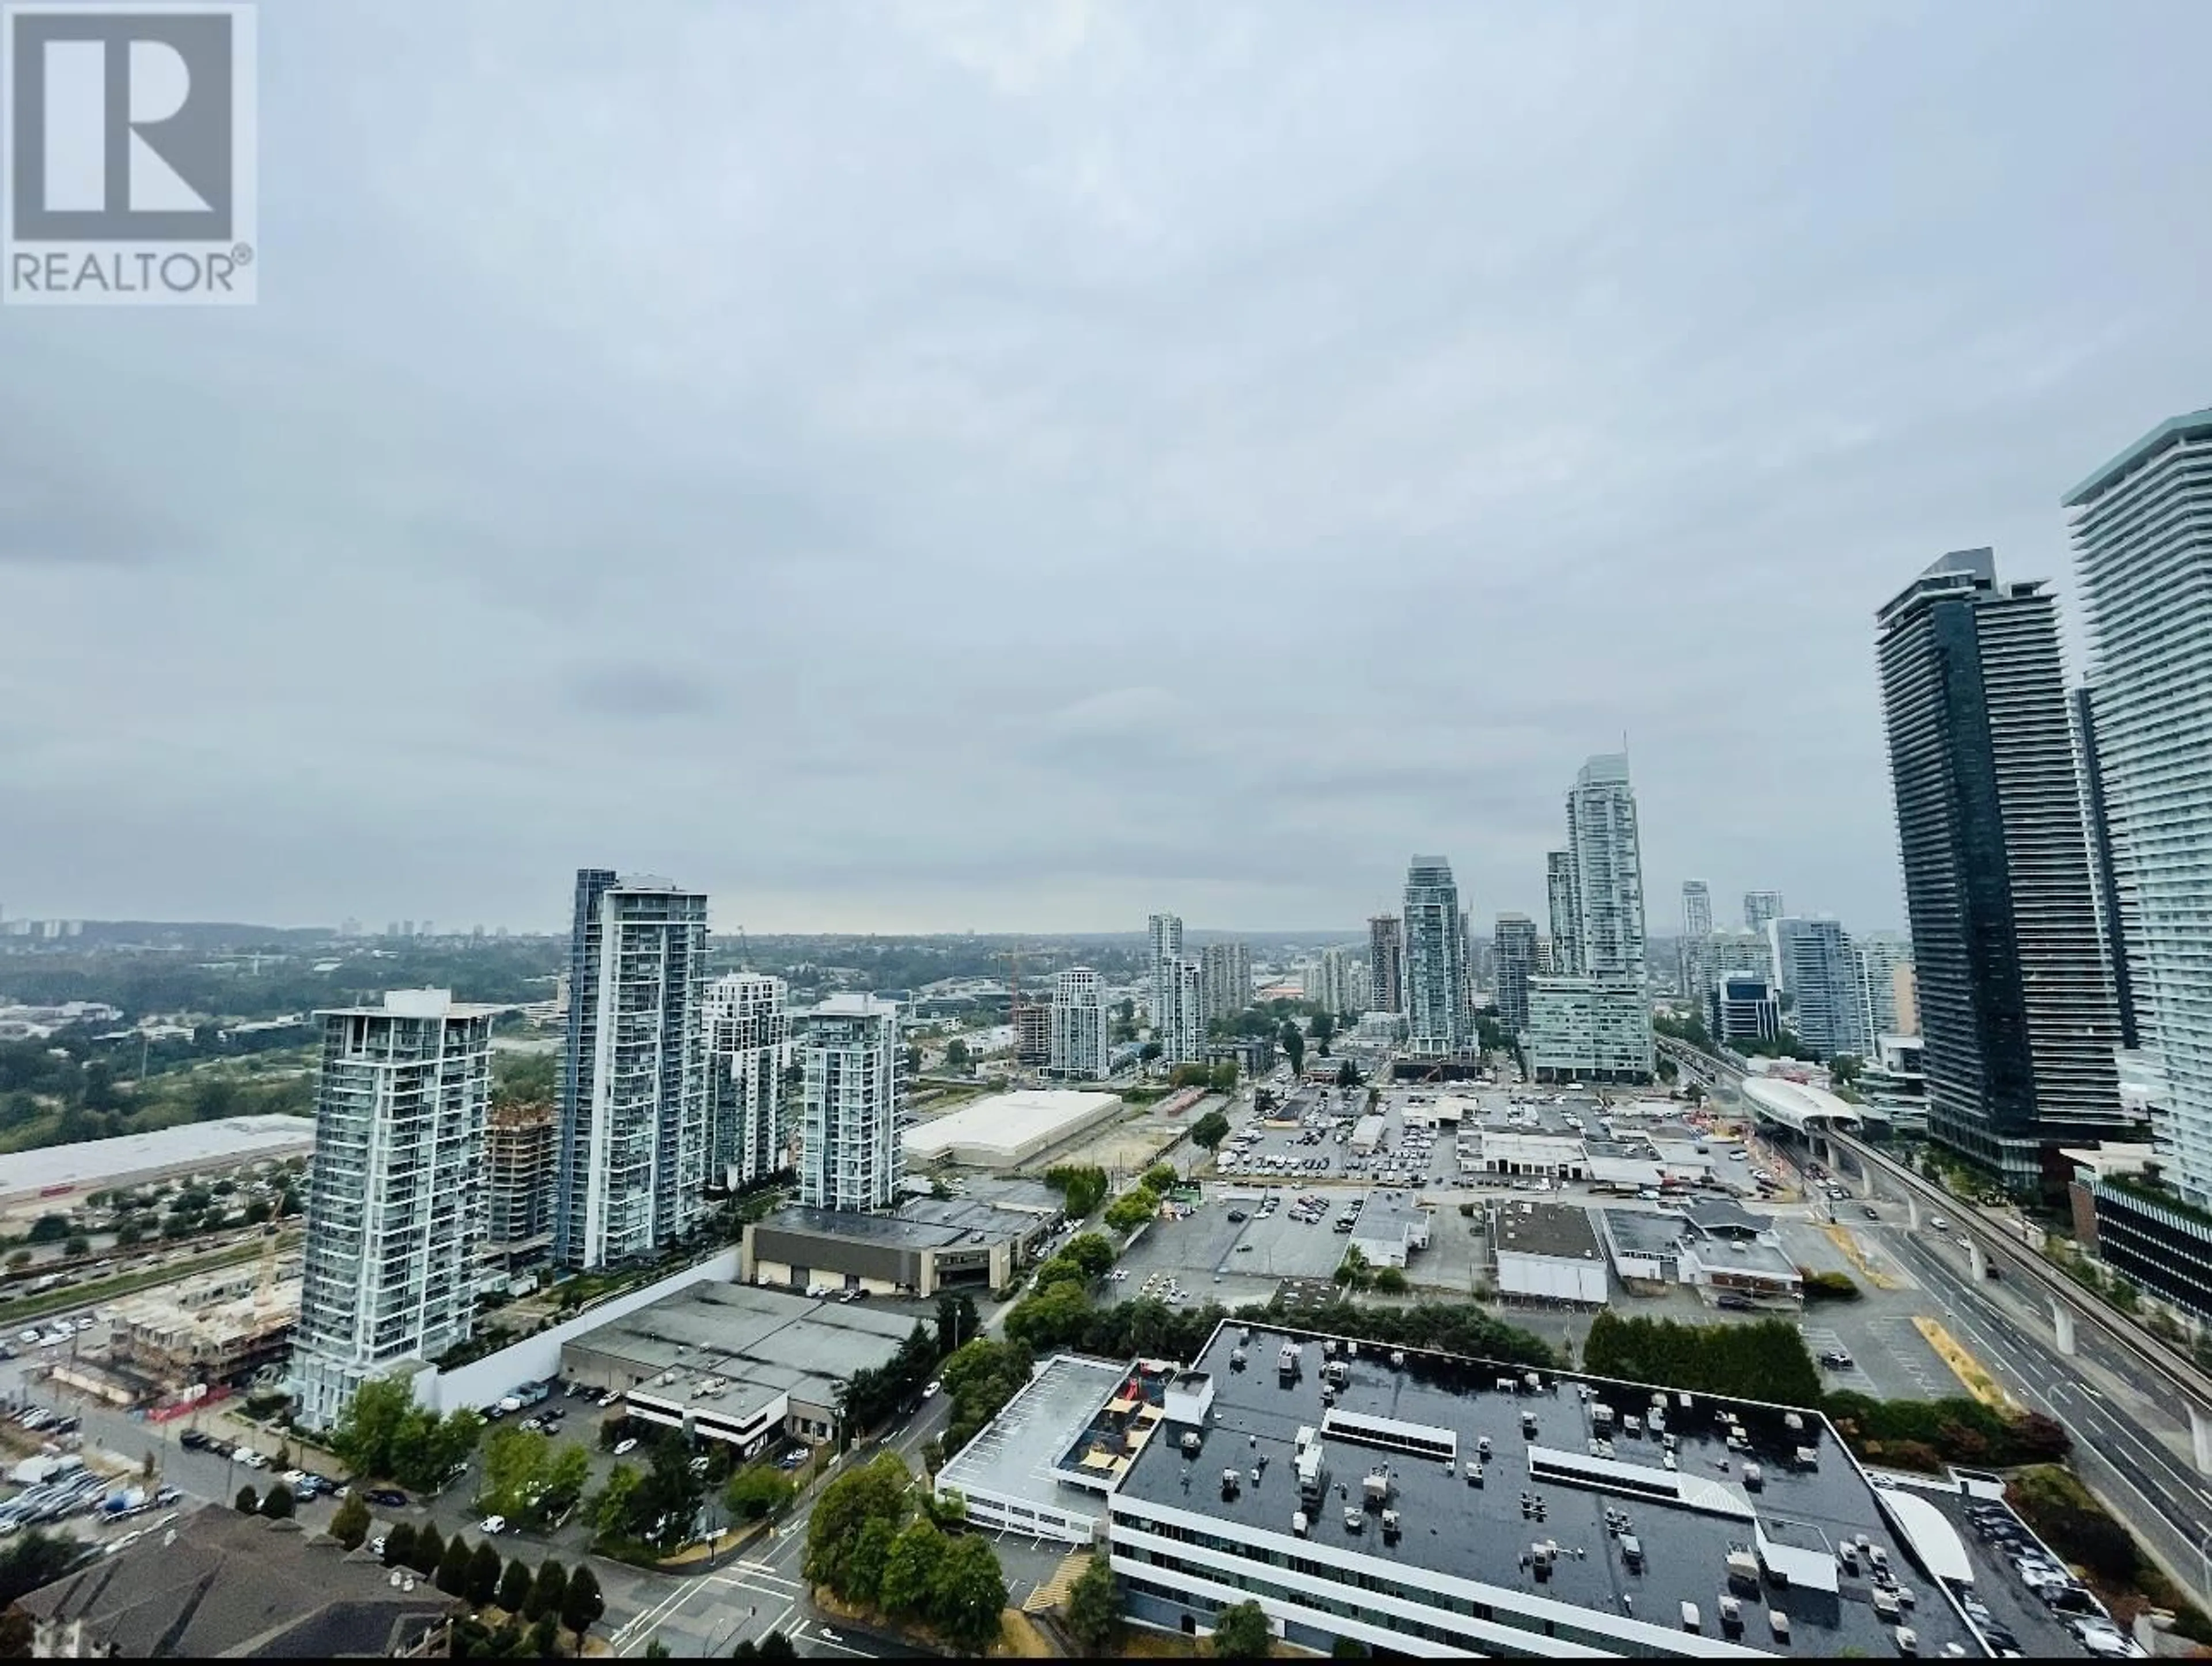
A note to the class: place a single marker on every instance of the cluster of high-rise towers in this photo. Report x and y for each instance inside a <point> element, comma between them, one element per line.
<point>671,1086</point>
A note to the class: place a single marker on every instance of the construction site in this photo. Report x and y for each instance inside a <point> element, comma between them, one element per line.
<point>221,1328</point>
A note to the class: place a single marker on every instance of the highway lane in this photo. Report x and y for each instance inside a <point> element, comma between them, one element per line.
<point>2161,1498</point>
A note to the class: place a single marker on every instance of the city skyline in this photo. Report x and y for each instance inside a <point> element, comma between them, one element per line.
<point>1584,410</point>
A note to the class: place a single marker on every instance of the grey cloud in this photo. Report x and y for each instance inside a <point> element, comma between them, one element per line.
<point>640,692</point>
<point>1023,467</point>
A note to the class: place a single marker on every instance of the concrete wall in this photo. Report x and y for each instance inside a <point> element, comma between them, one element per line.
<point>1552,1277</point>
<point>482,1382</point>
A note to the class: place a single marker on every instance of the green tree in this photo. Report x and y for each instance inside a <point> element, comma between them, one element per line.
<point>910,1570</point>
<point>453,1567</point>
<point>968,1598</point>
<point>1082,1186</point>
<point>546,1592</point>
<point>1161,1178</point>
<point>757,1491</point>
<point>78,1244</point>
<point>370,1422</point>
<point>428,1551</point>
<point>350,1526</point>
<point>1091,1251</point>
<point>1241,1633</point>
<point>838,1552</point>
<point>582,1605</point>
<point>399,1546</point>
<point>33,1559</point>
<point>1133,1208</point>
<point>484,1571</point>
<point>1094,1608</point>
<point>1324,1032</point>
<point>956,1054</point>
<point>1844,1068</point>
<point>1347,1075</point>
<point>1209,1131</point>
<point>565,1479</point>
<point>516,1464</point>
<point>246,1502</point>
<point>1390,1281</point>
<point>655,1648</point>
<point>1149,1052</point>
<point>611,1508</point>
<point>48,1229</point>
<point>776,1647</point>
<point>515,1586</point>
<point>1292,1041</point>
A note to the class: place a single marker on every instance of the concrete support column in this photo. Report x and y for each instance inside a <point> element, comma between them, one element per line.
<point>2061,1321</point>
<point>2200,1437</point>
<point>1866,1181</point>
<point>1977,1259</point>
<point>1912,1211</point>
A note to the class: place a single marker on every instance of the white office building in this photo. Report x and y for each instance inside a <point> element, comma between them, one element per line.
<point>396,1206</point>
<point>1819,980</point>
<point>633,1134</point>
<point>1080,1032</point>
<point>2143,543</point>
<point>849,1154</point>
<point>748,1055</point>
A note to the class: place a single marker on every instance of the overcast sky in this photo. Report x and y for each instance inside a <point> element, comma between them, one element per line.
<point>1008,466</point>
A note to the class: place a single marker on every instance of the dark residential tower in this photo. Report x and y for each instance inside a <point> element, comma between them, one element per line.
<point>2015,1011</point>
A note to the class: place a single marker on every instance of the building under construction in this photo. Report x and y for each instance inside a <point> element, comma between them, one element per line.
<point>518,1169</point>
<point>220,1327</point>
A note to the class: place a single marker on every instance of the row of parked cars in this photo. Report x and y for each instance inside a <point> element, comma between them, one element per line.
<point>2070,1601</point>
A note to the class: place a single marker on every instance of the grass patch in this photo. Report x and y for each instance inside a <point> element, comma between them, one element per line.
<point>1964,1367</point>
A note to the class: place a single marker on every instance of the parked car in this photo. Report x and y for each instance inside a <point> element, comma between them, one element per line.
<point>492,1525</point>
<point>931,1390</point>
<point>624,1448</point>
<point>389,1497</point>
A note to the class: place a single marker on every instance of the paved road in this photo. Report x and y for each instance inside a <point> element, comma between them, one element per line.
<point>2118,1446</point>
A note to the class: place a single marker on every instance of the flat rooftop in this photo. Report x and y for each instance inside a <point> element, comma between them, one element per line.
<point>1019,1453</point>
<point>1552,1229</point>
<point>1653,1231</point>
<point>761,1343</point>
<point>1687,1520</point>
<point>94,1164</point>
<point>922,1223</point>
<point>1008,1122</point>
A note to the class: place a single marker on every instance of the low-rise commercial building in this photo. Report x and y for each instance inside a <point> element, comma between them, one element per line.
<point>2140,1228</point>
<point>730,1363</point>
<point>1006,1130</point>
<point>1369,1496</point>
<point>1044,1466</point>
<point>924,1246</point>
<point>1741,1006</point>
<point>1548,1251</point>
<point>1389,1230</point>
<point>57,1177</point>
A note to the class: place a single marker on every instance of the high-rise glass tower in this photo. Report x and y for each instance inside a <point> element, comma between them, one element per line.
<point>1227,969</point>
<point>2142,546</point>
<point>1386,964</point>
<point>748,1054</point>
<point>1874,963</point>
<point>1820,976</point>
<point>397,1209</point>
<point>1608,869</point>
<point>1559,894</point>
<point>1437,1008</point>
<point>2015,1011</point>
<point>1760,909</point>
<point>1697,908</point>
<point>1514,941</point>
<point>1177,994</point>
<point>633,1137</point>
<point>850,1156</point>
